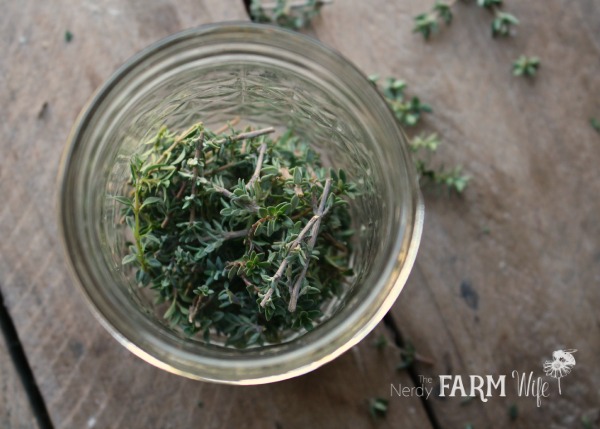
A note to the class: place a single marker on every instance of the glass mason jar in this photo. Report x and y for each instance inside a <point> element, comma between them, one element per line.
<point>268,77</point>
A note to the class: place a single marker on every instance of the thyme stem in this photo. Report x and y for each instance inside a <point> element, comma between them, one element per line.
<point>247,135</point>
<point>259,162</point>
<point>284,263</point>
<point>195,176</point>
<point>229,124</point>
<point>311,244</point>
<point>137,207</point>
<point>178,140</point>
<point>251,205</point>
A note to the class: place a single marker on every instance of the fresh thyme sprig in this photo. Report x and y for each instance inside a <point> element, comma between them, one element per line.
<point>293,14</point>
<point>424,146</point>
<point>503,23</point>
<point>428,23</point>
<point>526,66</point>
<point>240,235</point>
<point>409,112</point>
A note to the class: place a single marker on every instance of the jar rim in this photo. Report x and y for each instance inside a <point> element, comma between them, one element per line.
<point>157,350</point>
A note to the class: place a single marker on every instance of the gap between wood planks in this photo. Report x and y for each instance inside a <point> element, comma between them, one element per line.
<point>17,355</point>
<point>247,6</point>
<point>390,325</point>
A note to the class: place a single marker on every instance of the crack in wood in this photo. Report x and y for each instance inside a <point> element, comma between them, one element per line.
<point>390,325</point>
<point>23,370</point>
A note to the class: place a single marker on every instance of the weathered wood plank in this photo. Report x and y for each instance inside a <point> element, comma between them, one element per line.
<point>15,411</point>
<point>489,303</point>
<point>87,379</point>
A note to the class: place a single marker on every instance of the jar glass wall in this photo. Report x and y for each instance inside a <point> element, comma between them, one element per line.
<point>267,77</point>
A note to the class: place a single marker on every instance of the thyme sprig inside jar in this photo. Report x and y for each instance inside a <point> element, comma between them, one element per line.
<point>239,233</point>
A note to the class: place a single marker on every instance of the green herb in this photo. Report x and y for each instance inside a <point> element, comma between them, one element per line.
<point>381,342</point>
<point>468,426</point>
<point>424,147</point>
<point>526,66</point>
<point>502,23</point>
<point>595,123</point>
<point>407,357</point>
<point>513,412</point>
<point>408,110</point>
<point>68,36</point>
<point>286,13</point>
<point>239,235</point>
<point>586,422</point>
<point>378,407</point>
<point>443,11</point>
<point>428,23</point>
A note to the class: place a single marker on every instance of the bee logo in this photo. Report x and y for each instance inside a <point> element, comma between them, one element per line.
<point>561,364</point>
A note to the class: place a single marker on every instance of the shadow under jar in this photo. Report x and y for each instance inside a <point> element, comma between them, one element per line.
<point>267,77</point>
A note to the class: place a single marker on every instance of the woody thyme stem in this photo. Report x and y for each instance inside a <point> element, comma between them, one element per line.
<point>311,245</point>
<point>314,222</point>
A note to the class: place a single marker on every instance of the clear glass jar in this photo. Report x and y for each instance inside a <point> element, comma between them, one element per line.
<point>267,76</point>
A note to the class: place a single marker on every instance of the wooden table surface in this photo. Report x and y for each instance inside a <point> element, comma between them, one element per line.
<point>505,275</point>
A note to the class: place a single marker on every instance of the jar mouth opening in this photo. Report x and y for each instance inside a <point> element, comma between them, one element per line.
<point>272,363</point>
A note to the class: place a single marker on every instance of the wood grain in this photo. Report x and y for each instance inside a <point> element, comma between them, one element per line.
<point>510,272</point>
<point>477,302</point>
<point>15,411</point>
<point>88,380</point>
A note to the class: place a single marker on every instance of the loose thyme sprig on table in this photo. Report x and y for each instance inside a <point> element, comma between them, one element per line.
<point>428,23</point>
<point>526,66</point>
<point>423,146</point>
<point>409,112</point>
<point>293,14</point>
<point>240,235</point>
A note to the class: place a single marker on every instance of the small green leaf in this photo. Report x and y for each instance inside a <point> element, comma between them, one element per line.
<point>150,200</point>
<point>297,175</point>
<point>123,200</point>
<point>378,407</point>
<point>153,262</point>
<point>127,259</point>
<point>171,310</point>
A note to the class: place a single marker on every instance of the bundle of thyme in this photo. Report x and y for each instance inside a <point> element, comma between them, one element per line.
<point>238,234</point>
